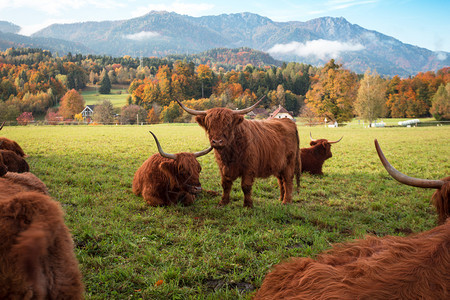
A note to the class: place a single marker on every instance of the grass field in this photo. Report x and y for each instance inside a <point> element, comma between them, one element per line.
<point>118,97</point>
<point>128,250</point>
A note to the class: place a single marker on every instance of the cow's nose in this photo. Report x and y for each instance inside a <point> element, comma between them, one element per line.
<point>216,143</point>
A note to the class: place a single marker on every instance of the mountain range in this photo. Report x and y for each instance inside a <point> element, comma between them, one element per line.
<point>161,33</point>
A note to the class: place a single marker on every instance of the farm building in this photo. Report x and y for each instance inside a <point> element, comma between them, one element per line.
<point>280,113</point>
<point>87,113</point>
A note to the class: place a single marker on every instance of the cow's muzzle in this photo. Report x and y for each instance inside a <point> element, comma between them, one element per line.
<point>217,144</point>
<point>194,189</point>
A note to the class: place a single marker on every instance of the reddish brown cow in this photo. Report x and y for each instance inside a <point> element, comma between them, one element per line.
<point>314,157</point>
<point>250,149</point>
<point>37,260</point>
<point>165,179</point>
<point>8,144</point>
<point>414,267</point>
<point>440,198</point>
<point>13,162</point>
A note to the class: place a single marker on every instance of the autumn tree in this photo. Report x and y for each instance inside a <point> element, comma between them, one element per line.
<point>104,112</point>
<point>71,103</point>
<point>130,114</point>
<point>332,96</point>
<point>370,103</point>
<point>440,108</point>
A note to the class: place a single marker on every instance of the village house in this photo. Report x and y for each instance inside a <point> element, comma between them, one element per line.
<point>87,113</point>
<point>280,113</point>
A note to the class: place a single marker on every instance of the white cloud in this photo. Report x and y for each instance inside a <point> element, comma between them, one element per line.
<point>180,7</point>
<point>441,55</point>
<point>53,7</point>
<point>322,49</point>
<point>30,29</point>
<point>143,35</point>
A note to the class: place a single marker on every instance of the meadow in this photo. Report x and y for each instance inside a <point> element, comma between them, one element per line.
<point>118,97</point>
<point>128,250</point>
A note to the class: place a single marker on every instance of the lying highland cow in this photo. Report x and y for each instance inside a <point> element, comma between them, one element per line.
<point>251,149</point>
<point>165,179</point>
<point>414,267</point>
<point>314,157</point>
<point>440,198</point>
<point>8,144</point>
<point>37,260</point>
<point>13,162</point>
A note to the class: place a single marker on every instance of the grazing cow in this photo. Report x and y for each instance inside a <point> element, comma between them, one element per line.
<point>314,157</point>
<point>250,149</point>
<point>165,179</point>
<point>37,260</point>
<point>8,144</point>
<point>413,267</point>
<point>13,162</point>
<point>440,198</point>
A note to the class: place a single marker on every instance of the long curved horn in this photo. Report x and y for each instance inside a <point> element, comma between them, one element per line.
<point>248,109</point>
<point>334,142</point>
<point>310,136</point>
<point>1,127</point>
<point>423,183</point>
<point>203,152</point>
<point>192,111</point>
<point>164,154</point>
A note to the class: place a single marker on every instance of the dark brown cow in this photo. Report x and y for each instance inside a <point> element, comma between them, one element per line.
<point>165,179</point>
<point>440,198</point>
<point>314,157</point>
<point>8,144</point>
<point>414,267</point>
<point>250,149</point>
<point>13,162</point>
<point>37,259</point>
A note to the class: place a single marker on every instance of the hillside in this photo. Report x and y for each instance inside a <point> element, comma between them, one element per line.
<point>313,42</point>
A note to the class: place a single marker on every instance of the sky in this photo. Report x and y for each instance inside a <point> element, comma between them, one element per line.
<point>423,23</point>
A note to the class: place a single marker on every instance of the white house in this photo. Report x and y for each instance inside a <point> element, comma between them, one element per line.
<point>87,113</point>
<point>280,113</point>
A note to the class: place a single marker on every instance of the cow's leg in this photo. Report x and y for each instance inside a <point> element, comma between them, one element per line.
<point>288,183</point>
<point>281,185</point>
<point>227,183</point>
<point>151,198</point>
<point>246,185</point>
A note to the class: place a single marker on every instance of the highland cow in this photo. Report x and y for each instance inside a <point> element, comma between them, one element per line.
<point>314,157</point>
<point>413,267</point>
<point>251,149</point>
<point>8,144</point>
<point>440,198</point>
<point>166,179</point>
<point>13,162</point>
<point>37,259</point>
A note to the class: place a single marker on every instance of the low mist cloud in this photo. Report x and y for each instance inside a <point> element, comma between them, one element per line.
<point>322,49</point>
<point>143,35</point>
<point>441,55</point>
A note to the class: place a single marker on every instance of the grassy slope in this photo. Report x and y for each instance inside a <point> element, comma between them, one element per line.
<point>204,252</point>
<point>118,97</point>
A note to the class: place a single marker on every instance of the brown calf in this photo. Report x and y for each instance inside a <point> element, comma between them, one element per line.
<point>314,157</point>
<point>13,162</point>
<point>8,144</point>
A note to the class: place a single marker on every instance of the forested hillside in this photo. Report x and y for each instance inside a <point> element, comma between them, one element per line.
<point>35,81</point>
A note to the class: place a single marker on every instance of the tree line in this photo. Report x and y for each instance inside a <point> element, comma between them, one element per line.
<point>33,80</point>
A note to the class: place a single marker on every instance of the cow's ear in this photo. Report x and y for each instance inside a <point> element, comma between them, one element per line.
<point>200,119</point>
<point>238,119</point>
<point>168,168</point>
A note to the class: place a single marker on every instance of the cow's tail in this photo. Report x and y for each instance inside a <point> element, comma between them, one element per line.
<point>298,161</point>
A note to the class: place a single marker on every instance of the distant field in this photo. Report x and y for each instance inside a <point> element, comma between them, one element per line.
<point>118,97</point>
<point>202,251</point>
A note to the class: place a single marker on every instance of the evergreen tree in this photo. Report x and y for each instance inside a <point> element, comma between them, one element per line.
<point>105,85</point>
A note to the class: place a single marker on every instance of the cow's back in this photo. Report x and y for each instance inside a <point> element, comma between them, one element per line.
<point>149,174</point>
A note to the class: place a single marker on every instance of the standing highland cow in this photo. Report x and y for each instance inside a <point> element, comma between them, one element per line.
<point>251,149</point>
<point>165,179</point>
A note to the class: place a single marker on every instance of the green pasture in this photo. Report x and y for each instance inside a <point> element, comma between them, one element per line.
<point>118,97</point>
<point>202,251</point>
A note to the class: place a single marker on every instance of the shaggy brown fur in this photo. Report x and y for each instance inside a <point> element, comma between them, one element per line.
<point>13,162</point>
<point>37,260</point>
<point>7,144</point>
<point>414,267</point>
<point>165,181</point>
<point>13,183</point>
<point>441,200</point>
<point>252,149</point>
